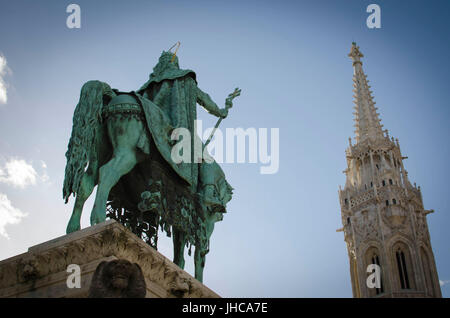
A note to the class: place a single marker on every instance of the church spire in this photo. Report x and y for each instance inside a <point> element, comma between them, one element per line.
<point>367,122</point>
<point>383,217</point>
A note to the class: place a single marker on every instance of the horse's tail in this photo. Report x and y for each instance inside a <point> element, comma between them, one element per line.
<point>87,120</point>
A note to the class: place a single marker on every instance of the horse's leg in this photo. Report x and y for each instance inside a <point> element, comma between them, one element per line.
<point>178,248</point>
<point>87,184</point>
<point>121,163</point>
<point>199,261</point>
<point>124,135</point>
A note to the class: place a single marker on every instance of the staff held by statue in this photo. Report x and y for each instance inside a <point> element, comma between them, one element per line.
<point>228,105</point>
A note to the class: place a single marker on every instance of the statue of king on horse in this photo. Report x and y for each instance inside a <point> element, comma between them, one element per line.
<point>122,142</point>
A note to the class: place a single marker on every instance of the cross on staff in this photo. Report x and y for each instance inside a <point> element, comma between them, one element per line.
<point>228,105</point>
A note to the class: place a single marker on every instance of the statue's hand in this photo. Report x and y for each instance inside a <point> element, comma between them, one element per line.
<point>229,100</point>
<point>223,112</point>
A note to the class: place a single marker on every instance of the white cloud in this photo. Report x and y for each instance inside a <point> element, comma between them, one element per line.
<point>4,69</point>
<point>8,214</point>
<point>18,173</point>
<point>443,282</point>
<point>44,176</point>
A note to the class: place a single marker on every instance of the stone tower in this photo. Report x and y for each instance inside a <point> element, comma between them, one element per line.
<point>383,217</point>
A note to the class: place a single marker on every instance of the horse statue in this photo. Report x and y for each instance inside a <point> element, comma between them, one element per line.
<point>125,144</point>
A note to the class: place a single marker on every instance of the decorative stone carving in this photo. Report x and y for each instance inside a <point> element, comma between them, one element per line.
<point>395,216</point>
<point>28,269</point>
<point>179,283</point>
<point>118,279</point>
<point>366,225</point>
<point>48,262</point>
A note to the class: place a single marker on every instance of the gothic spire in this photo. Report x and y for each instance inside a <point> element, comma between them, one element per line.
<point>367,122</point>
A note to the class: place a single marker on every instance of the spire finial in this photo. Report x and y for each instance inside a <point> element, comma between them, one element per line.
<point>355,54</point>
<point>366,116</point>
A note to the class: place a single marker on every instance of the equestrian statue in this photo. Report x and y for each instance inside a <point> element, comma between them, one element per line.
<point>125,144</point>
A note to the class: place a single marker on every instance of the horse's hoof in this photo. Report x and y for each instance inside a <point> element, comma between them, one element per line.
<point>96,219</point>
<point>72,228</point>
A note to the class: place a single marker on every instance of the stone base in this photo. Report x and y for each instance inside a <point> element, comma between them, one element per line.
<point>42,271</point>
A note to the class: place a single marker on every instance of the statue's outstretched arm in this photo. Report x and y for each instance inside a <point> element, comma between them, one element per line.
<point>204,100</point>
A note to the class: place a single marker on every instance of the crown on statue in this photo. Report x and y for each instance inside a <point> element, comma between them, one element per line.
<point>168,57</point>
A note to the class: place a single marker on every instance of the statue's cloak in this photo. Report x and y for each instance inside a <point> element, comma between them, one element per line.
<point>168,74</point>
<point>179,107</point>
<point>161,130</point>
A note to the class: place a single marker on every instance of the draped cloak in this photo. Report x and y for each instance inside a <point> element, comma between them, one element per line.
<point>177,108</point>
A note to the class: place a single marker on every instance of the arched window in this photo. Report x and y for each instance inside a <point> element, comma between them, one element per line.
<point>394,201</point>
<point>384,183</point>
<point>402,269</point>
<point>390,182</point>
<point>372,257</point>
<point>371,184</point>
<point>376,260</point>
<point>387,202</point>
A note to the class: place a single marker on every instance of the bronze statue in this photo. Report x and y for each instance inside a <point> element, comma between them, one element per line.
<point>123,143</point>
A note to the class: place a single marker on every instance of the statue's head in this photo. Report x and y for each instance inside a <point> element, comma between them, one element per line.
<point>167,60</point>
<point>118,278</point>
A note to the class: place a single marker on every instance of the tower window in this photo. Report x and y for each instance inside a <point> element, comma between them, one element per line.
<point>387,202</point>
<point>394,201</point>
<point>346,201</point>
<point>378,167</point>
<point>390,181</point>
<point>348,220</point>
<point>371,184</point>
<point>376,260</point>
<point>402,271</point>
<point>384,183</point>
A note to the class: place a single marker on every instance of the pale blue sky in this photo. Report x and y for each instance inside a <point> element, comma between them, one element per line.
<point>290,59</point>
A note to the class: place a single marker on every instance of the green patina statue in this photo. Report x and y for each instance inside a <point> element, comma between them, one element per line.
<point>123,143</point>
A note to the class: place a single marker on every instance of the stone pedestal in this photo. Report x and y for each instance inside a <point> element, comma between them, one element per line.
<point>42,271</point>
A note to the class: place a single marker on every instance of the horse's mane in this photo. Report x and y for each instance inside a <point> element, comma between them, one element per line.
<point>87,121</point>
